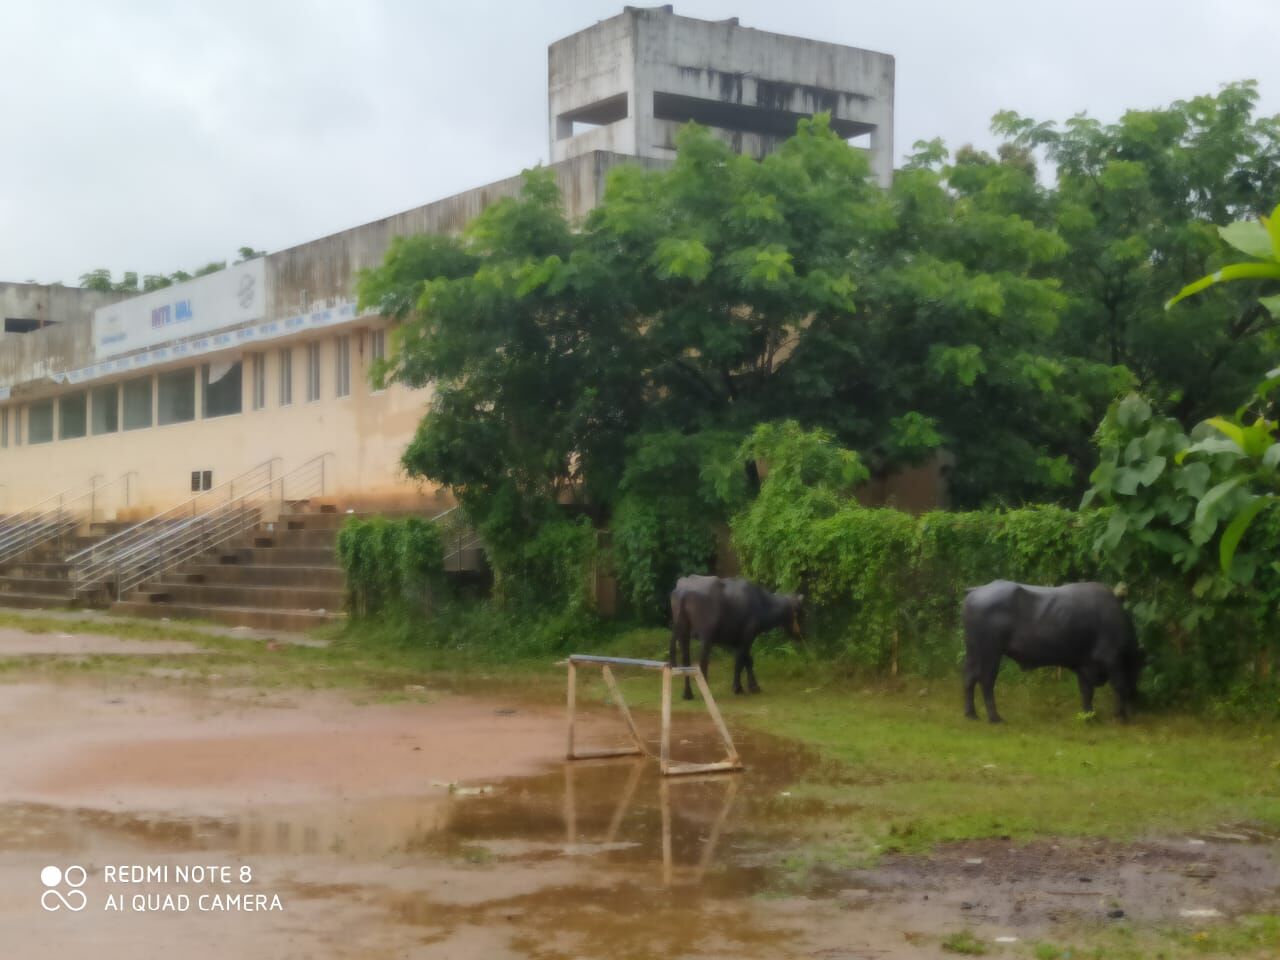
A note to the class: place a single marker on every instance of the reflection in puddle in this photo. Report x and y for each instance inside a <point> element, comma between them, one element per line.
<point>549,866</point>
<point>619,812</point>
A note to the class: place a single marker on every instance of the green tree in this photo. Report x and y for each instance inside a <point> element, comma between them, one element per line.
<point>1136,202</point>
<point>99,280</point>
<point>958,318</point>
<point>599,363</point>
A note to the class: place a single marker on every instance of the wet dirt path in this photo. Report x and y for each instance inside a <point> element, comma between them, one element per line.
<point>450,828</point>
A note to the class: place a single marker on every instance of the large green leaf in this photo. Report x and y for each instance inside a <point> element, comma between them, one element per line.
<point>1233,432</point>
<point>1193,478</point>
<point>1166,541</point>
<point>1208,510</point>
<point>1117,526</point>
<point>1272,223</point>
<point>1236,529</point>
<point>1127,481</point>
<point>1234,271</point>
<point>1151,471</point>
<point>1133,412</point>
<point>1249,236</point>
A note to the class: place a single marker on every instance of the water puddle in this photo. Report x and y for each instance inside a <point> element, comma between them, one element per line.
<point>585,859</point>
<point>587,850</point>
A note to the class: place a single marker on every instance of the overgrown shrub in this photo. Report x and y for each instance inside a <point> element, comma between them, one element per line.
<point>676,489</point>
<point>551,571</point>
<point>391,565</point>
<point>886,589</point>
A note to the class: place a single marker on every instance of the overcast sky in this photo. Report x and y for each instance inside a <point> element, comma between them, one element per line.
<point>156,136</point>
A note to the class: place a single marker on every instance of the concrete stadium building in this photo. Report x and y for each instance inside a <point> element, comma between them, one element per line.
<point>261,369</point>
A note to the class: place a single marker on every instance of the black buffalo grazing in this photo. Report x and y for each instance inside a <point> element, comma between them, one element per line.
<point>1080,626</point>
<point>728,613</point>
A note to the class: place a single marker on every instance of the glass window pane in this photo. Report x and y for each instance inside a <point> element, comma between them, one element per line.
<point>73,416</point>
<point>223,388</point>
<point>259,381</point>
<point>106,409</point>
<point>137,403</point>
<point>176,393</point>
<point>286,376</point>
<point>342,367</point>
<point>313,371</point>
<point>377,356</point>
<point>40,422</point>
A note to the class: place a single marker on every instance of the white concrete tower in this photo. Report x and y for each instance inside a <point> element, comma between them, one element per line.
<point>629,82</point>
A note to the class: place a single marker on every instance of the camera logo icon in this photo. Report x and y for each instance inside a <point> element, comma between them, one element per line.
<point>54,878</point>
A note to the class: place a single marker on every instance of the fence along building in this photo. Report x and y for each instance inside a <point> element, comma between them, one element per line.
<point>184,388</point>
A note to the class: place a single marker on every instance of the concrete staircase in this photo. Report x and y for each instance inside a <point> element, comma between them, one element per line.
<point>40,578</point>
<point>282,575</point>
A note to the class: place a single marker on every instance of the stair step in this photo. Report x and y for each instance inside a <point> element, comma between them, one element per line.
<point>279,556</point>
<point>36,601</point>
<point>264,574</point>
<point>35,570</point>
<point>243,595</point>
<point>292,620</point>
<point>43,586</point>
<point>282,536</point>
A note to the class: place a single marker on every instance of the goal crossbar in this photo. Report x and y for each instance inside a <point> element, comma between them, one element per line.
<point>666,765</point>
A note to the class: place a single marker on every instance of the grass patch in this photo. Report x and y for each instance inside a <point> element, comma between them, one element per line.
<point>965,943</point>
<point>1253,936</point>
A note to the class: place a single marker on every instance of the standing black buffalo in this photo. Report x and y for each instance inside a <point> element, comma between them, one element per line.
<point>728,613</point>
<point>1080,626</point>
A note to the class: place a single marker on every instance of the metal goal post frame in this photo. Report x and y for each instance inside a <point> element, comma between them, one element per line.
<point>666,765</point>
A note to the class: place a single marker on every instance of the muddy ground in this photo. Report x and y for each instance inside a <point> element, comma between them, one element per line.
<point>448,826</point>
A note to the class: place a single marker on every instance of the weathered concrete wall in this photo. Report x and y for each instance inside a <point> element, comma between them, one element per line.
<point>299,279</point>
<point>50,303</point>
<point>589,68</point>
<point>366,431</point>
<point>324,270</point>
<point>750,86</point>
<point>28,359</point>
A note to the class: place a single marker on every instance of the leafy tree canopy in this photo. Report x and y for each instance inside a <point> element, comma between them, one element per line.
<point>100,279</point>
<point>1137,203</point>
<point>992,305</point>
<point>725,292</point>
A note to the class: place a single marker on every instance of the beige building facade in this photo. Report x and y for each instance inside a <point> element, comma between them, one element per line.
<point>148,399</point>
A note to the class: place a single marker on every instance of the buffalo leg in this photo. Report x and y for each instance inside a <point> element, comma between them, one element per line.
<point>988,681</point>
<point>752,686</point>
<point>1086,691</point>
<point>970,681</point>
<point>739,661</point>
<point>688,687</point>
<point>703,662</point>
<point>680,632</point>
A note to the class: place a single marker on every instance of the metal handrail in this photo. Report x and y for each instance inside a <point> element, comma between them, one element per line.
<point>135,562</point>
<point>463,535</point>
<point>32,516</point>
<point>37,528</point>
<point>186,509</point>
